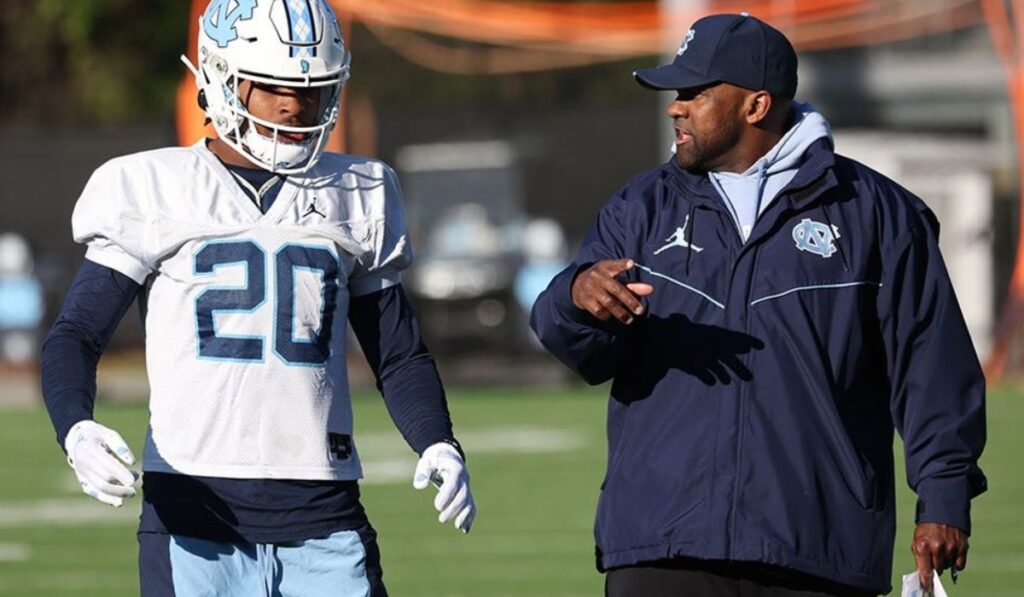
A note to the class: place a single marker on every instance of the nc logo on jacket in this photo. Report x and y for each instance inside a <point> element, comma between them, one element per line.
<point>815,237</point>
<point>226,13</point>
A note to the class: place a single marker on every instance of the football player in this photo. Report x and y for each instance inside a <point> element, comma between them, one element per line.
<point>247,254</point>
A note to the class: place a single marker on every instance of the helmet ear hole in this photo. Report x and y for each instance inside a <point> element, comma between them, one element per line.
<point>201,100</point>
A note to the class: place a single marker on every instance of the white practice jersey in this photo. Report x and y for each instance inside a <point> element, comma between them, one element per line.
<point>245,312</point>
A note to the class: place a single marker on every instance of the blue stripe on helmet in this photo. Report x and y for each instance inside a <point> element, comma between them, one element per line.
<point>301,28</point>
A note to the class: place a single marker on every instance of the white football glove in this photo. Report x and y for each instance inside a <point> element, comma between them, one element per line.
<point>98,456</point>
<point>442,465</point>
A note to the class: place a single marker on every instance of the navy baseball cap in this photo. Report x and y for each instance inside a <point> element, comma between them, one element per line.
<point>724,48</point>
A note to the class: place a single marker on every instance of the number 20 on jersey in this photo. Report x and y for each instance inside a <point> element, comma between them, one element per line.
<point>314,349</point>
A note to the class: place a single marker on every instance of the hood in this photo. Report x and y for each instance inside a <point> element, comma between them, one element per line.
<point>808,126</point>
<point>748,194</point>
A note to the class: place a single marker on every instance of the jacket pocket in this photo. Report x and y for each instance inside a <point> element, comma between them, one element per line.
<point>855,470</point>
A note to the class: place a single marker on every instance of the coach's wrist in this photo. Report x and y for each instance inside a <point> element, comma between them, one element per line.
<point>562,287</point>
<point>944,501</point>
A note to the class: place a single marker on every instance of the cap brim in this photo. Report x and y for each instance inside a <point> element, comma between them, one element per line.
<point>671,77</point>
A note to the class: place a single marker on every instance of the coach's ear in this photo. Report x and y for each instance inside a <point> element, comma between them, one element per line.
<point>757,106</point>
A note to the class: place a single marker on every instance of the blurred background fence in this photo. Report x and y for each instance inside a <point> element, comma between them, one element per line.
<point>507,120</point>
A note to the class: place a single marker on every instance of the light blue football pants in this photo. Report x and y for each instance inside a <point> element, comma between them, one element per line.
<point>344,564</point>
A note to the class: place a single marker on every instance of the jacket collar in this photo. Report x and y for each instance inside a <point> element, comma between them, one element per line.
<point>814,177</point>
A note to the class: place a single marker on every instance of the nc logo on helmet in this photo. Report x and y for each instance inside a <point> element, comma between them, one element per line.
<point>222,16</point>
<point>815,237</point>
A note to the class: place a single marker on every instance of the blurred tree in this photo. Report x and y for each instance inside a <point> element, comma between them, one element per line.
<point>89,61</point>
<point>115,62</point>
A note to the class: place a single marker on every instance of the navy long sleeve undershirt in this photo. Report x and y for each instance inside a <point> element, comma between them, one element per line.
<point>387,330</point>
<point>95,303</point>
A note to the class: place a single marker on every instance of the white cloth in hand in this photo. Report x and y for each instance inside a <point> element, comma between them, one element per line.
<point>912,586</point>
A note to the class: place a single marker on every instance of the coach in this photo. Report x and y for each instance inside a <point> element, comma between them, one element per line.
<point>768,312</point>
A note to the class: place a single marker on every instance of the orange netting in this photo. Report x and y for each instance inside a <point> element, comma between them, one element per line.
<point>511,37</point>
<point>1007,31</point>
<point>624,29</point>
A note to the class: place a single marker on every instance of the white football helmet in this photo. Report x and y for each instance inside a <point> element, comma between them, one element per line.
<point>290,43</point>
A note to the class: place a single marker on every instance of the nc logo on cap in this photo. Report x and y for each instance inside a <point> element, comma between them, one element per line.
<point>686,42</point>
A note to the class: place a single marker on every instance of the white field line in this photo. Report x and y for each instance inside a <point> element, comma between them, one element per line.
<point>68,582</point>
<point>514,439</point>
<point>387,460</point>
<point>14,552</point>
<point>385,457</point>
<point>75,511</point>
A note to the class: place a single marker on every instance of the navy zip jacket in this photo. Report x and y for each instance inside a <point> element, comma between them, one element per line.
<point>753,403</point>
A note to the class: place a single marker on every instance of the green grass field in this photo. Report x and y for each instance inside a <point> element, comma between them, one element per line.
<point>536,457</point>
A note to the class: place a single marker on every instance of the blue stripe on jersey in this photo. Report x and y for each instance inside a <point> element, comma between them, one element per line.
<point>155,577</point>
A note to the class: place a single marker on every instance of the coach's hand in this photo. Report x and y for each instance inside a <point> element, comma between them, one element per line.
<point>442,464</point>
<point>937,547</point>
<point>98,456</point>
<point>598,291</point>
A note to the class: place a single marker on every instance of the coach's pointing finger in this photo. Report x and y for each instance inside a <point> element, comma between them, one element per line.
<point>598,291</point>
<point>640,288</point>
